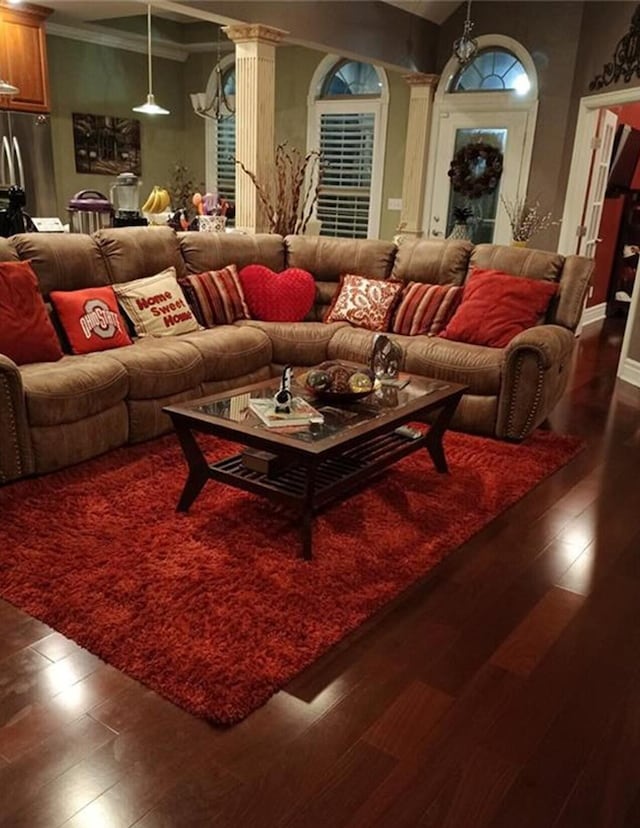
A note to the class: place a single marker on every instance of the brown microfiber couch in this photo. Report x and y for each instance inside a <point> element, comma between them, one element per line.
<point>56,414</point>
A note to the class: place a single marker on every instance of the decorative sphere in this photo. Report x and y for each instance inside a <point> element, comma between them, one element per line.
<point>318,380</point>
<point>339,379</point>
<point>360,383</point>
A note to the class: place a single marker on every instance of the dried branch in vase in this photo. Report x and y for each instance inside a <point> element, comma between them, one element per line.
<point>290,197</point>
<point>526,219</point>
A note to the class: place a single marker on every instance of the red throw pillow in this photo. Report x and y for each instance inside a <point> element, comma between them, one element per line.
<point>215,296</point>
<point>278,297</point>
<point>496,307</point>
<point>365,303</point>
<point>425,308</point>
<point>90,319</point>
<point>26,332</point>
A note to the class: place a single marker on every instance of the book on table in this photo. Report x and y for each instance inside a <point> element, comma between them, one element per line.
<point>302,413</point>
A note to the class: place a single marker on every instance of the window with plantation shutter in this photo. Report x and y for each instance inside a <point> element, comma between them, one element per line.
<point>348,107</point>
<point>225,154</point>
<point>344,199</point>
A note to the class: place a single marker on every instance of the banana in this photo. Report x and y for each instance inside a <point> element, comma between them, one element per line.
<point>147,207</point>
<point>164,200</point>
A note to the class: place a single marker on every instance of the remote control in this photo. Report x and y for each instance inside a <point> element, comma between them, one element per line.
<point>408,432</point>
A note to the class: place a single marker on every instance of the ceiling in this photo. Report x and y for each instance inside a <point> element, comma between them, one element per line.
<point>88,10</point>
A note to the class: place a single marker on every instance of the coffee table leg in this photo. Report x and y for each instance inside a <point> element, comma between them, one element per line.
<point>198,468</point>
<point>433,441</point>
<point>307,513</point>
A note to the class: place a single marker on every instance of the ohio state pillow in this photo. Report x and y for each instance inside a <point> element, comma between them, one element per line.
<point>26,332</point>
<point>287,296</point>
<point>365,303</point>
<point>157,306</point>
<point>496,307</point>
<point>90,319</point>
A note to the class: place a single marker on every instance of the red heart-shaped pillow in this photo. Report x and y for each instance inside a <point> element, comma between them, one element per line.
<point>277,297</point>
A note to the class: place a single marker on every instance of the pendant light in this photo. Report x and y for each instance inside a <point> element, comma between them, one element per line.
<point>466,47</point>
<point>7,88</point>
<point>150,107</point>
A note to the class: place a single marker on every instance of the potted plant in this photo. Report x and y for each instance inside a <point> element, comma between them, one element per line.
<point>461,229</point>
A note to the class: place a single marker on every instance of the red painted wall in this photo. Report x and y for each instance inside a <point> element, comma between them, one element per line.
<point>630,114</point>
<point>606,250</point>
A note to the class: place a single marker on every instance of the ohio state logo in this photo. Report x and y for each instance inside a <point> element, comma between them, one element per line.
<point>99,319</point>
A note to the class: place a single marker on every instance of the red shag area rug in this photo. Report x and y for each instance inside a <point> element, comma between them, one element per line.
<point>214,609</point>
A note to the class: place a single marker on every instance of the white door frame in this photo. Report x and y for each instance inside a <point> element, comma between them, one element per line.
<point>478,102</point>
<point>577,193</point>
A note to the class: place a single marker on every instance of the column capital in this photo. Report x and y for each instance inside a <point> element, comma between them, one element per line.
<point>254,33</point>
<point>421,79</point>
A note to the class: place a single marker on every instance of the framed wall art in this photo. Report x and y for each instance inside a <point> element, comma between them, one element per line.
<point>105,145</point>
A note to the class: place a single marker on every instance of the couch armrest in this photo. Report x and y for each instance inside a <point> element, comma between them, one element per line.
<point>535,375</point>
<point>16,457</point>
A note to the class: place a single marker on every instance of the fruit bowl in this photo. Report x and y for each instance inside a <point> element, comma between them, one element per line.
<point>339,382</point>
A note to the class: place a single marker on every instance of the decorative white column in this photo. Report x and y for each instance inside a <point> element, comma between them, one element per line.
<point>255,117</point>
<point>416,151</point>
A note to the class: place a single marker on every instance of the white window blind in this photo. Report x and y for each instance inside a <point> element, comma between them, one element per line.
<point>225,153</point>
<point>344,200</point>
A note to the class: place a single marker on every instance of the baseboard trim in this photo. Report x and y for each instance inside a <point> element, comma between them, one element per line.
<point>594,314</point>
<point>630,372</point>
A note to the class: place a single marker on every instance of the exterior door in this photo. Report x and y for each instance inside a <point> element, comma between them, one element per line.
<point>594,204</point>
<point>507,131</point>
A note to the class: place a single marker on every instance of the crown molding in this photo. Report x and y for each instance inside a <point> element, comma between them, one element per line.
<point>101,36</point>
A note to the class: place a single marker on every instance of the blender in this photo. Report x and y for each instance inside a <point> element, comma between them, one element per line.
<point>125,197</point>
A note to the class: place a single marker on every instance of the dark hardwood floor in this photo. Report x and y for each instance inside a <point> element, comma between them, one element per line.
<point>504,692</point>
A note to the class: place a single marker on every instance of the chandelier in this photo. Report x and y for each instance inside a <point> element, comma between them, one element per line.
<point>465,48</point>
<point>220,106</point>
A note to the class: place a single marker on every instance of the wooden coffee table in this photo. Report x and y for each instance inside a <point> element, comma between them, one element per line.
<point>321,462</point>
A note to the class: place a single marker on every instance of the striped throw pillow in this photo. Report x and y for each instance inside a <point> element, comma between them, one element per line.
<point>425,309</point>
<point>216,296</point>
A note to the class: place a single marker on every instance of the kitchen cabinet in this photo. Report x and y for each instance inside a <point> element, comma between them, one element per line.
<point>23,58</point>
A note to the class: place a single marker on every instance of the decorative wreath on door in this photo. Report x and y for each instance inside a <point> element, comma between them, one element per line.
<point>476,169</point>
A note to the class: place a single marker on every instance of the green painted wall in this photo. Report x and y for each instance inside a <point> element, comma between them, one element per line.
<point>103,81</point>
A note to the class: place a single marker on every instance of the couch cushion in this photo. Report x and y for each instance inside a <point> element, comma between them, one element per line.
<point>72,389</point>
<point>474,365</point>
<point>229,351</point>
<point>298,343</point>
<point>327,259</point>
<point>159,367</point>
<point>68,261</point>
<point>137,252</point>
<point>356,344</point>
<point>518,261</point>
<point>211,251</point>
<point>8,252</point>
<point>437,262</point>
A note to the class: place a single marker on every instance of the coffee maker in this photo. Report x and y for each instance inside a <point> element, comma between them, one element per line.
<point>13,218</point>
<point>125,197</point>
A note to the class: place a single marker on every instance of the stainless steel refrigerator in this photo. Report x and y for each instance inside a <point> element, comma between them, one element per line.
<point>26,159</point>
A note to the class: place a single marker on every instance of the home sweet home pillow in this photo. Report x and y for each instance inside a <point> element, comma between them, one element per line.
<point>157,306</point>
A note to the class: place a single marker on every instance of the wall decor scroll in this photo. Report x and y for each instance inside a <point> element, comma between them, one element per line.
<point>626,58</point>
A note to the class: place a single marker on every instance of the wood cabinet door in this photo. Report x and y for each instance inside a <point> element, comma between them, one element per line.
<point>23,60</point>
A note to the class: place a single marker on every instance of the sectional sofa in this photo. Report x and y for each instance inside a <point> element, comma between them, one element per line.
<point>55,414</point>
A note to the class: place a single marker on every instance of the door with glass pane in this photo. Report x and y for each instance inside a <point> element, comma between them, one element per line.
<point>486,220</point>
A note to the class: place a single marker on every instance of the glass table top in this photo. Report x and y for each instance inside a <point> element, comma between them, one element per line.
<point>337,416</point>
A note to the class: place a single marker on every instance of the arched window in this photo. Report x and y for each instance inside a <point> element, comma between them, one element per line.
<point>493,70</point>
<point>347,123</point>
<point>220,134</point>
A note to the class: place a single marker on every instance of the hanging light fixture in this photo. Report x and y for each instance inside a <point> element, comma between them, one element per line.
<point>150,107</point>
<point>7,88</point>
<point>220,106</point>
<point>465,48</point>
